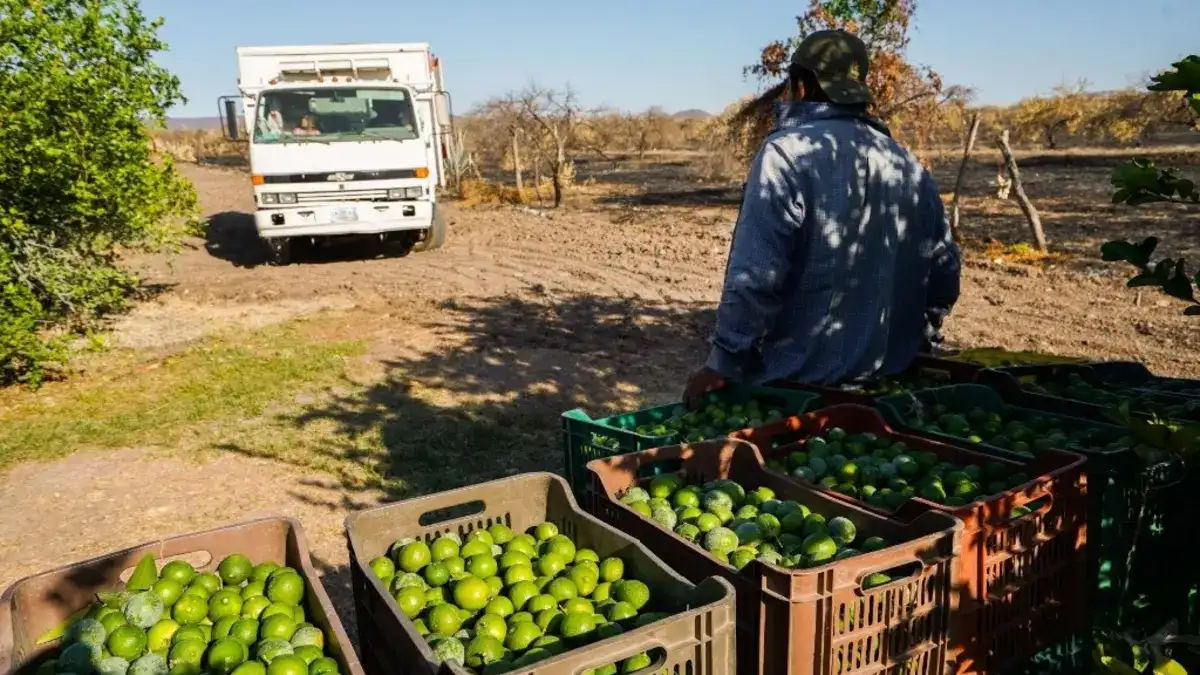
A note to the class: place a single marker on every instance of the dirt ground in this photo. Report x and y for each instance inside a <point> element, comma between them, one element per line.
<point>523,314</point>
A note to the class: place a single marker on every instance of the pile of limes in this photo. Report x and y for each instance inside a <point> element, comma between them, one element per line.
<point>1076,388</point>
<point>896,384</point>
<point>716,418</point>
<point>886,473</point>
<point>1025,433</point>
<point>738,526</point>
<point>242,619</point>
<point>498,601</point>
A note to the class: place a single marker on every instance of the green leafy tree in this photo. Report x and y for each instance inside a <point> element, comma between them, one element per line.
<point>78,183</point>
<point>1141,182</point>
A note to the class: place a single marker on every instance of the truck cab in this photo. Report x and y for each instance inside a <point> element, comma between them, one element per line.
<point>345,140</point>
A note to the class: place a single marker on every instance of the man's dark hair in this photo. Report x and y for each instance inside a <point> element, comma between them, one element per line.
<point>799,75</point>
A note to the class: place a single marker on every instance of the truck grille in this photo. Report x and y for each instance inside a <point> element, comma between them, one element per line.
<point>341,196</point>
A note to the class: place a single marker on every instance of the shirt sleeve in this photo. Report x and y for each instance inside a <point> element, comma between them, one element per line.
<point>760,259</point>
<point>945,268</point>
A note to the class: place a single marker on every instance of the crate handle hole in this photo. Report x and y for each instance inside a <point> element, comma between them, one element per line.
<point>658,661</point>
<point>449,513</point>
<point>867,583</point>
<point>1031,509</point>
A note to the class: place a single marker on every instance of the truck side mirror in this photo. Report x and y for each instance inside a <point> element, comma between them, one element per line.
<point>229,117</point>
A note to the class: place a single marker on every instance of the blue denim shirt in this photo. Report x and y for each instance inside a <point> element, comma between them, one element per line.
<point>841,255</point>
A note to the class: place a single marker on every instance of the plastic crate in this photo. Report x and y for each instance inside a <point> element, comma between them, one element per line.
<point>1116,482</point>
<point>992,357</point>
<point>803,621</point>
<point>36,604</point>
<point>698,638</point>
<point>943,371</point>
<point>585,439</point>
<point>1010,383</point>
<point>1044,546</point>
<point>1134,375</point>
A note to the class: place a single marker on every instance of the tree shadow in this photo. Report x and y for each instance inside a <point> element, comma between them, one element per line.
<point>233,237</point>
<point>488,404</point>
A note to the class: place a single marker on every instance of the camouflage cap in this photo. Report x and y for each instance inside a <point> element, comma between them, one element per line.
<point>840,62</point>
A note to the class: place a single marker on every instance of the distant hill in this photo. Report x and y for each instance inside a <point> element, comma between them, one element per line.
<point>691,114</point>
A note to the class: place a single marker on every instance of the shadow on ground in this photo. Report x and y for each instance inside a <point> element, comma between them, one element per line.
<point>488,404</point>
<point>232,236</point>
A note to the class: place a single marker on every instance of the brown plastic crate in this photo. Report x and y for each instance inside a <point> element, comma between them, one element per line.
<point>803,619</point>
<point>699,638</point>
<point>36,604</point>
<point>1013,573</point>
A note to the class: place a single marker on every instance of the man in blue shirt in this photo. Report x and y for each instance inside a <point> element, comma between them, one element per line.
<point>842,265</point>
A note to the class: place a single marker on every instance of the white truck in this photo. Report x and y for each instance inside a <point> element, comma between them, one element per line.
<point>345,140</point>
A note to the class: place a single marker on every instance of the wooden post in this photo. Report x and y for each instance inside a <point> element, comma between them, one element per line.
<point>962,174</point>
<point>1031,214</point>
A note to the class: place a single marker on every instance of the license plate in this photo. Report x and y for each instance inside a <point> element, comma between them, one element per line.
<point>344,215</point>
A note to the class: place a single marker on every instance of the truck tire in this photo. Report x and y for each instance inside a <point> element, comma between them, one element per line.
<point>436,236</point>
<point>280,251</point>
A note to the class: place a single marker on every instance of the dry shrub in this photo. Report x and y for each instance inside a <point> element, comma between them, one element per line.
<point>205,145</point>
<point>476,192</point>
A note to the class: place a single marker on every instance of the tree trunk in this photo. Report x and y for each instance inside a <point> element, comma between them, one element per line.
<point>1031,214</point>
<point>962,174</point>
<point>537,176</point>
<point>516,156</point>
<point>560,161</point>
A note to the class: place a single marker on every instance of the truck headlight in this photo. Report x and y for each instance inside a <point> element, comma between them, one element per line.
<point>406,193</point>
<point>269,198</point>
<point>287,198</point>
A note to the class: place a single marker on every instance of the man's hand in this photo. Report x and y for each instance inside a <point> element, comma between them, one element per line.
<point>700,383</point>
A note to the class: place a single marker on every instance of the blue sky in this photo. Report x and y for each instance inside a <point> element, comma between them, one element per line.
<point>678,54</point>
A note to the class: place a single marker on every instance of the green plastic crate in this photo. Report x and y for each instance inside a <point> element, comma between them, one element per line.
<point>1116,483</point>
<point>585,439</point>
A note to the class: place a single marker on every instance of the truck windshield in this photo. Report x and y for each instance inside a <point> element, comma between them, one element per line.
<point>334,114</point>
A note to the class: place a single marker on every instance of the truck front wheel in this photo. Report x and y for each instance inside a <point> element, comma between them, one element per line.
<point>281,251</point>
<point>435,236</point>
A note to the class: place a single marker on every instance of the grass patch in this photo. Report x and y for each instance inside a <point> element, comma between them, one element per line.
<point>222,379</point>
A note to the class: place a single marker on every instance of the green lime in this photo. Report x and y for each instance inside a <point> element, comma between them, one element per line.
<point>483,650</point>
<point>383,567</point>
<point>280,627</point>
<point>545,531</point>
<point>277,608</point>
<point>443,619</point>
<point>250,668</point>
<point>287,664</point>
<point>491,625</point>
<point>577,625</point>
<point>585,576</point>
<point>632,591</point>
<point>167,590</point>
<point>253,606</point>
<point>518,573</point>
<point>521,593</point>
<point>287,588</point>
<point>436,574</point>
<point>482,566</point>
<point>501,606</point>
<point>522,635</point>
<point>221,628</point>
<point>442,548</point>
<point>602,592</point>
<point>184,633</point>
<point>226,654</point>
<point>179,571</point>
<point>235,569</point>
<point>309,653</point>
<point>620,611</point>
<point>269,649</point>
<point>635,663</point>
<point>158,638</point>
<point>414,556</point>
<point>263,571</point>
<point>471,593</point>
<point>322,666</point>
<point>209,581</point>
<point>612,569</point>
<point>456,565</point>
<point>187,653</point>
<point>245,631</point>
<point>481,535</point>
<point>475,547</point>
<point>224,603</point>
<point>563,588</point>
<point>539,603</point>
<point>560,544</point>
<point>501,533</point>
<point>112,621</point>
<point>551,564</point>
<point>127,642</point>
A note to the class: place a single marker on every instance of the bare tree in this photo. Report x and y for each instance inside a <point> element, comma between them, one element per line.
<point>557,114</point>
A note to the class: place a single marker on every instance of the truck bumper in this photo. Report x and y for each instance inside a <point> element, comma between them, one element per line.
<point>330,220</point>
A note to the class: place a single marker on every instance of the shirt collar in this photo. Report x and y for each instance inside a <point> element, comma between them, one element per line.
<point>788,115</point>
